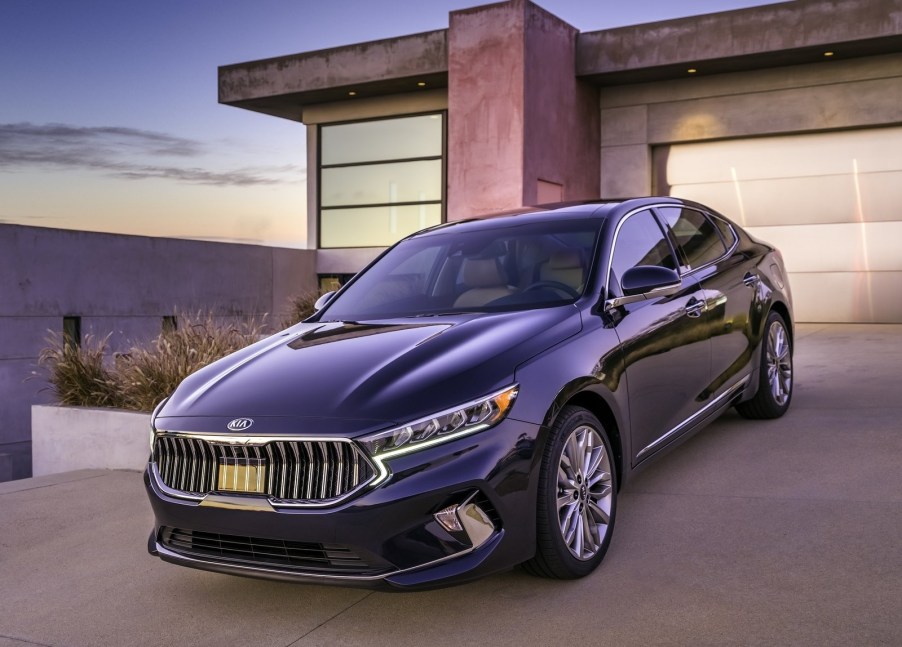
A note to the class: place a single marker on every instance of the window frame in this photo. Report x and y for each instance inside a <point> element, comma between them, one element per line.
<point>652,210</point>
<point>685,268</point>
<point>443,157</point>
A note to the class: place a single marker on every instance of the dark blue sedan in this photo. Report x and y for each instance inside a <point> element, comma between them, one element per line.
<point>472,400</point>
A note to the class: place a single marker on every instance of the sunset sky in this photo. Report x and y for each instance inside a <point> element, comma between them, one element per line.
<point>109,118</point>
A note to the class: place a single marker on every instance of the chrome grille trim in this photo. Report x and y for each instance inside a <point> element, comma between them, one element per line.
<point>302,471</point>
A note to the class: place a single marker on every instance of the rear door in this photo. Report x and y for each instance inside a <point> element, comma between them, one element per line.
<point>706,246</point>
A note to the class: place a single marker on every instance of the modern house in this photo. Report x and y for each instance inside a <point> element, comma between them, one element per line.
<point>786,117</point>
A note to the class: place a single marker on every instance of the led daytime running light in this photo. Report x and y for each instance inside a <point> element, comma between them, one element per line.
<point>446,425</point>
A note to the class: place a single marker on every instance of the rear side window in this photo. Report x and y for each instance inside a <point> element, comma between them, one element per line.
<point>726,231</point>
<point>695,234</point>
<point>640,241</point>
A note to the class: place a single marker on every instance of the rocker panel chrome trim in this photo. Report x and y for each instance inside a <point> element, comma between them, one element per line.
<point>733,390</point>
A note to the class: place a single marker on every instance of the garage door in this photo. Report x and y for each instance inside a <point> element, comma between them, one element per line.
<point>829,201</point>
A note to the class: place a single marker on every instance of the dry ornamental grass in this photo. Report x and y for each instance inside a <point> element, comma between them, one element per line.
<point>85,376</point>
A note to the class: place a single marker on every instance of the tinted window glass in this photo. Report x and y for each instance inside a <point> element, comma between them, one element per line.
<point>695,234</point>
<point>726,231</point>
<point>511,267</point>
<point>640,241</point>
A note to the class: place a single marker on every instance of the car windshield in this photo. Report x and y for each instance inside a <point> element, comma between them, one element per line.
<point>492,269</point>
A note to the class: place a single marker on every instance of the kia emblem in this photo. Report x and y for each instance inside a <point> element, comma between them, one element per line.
<point>240,424</point>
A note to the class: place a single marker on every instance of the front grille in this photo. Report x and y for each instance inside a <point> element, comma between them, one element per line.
<point>295,555</point>
<point>283,470</point>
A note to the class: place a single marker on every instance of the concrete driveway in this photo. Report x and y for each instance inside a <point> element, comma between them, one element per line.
<point>751,533</point>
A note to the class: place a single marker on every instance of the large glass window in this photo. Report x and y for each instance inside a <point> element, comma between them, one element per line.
<point>380,180</point>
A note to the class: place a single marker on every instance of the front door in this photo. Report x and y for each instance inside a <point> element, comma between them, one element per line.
<point>667,355</point>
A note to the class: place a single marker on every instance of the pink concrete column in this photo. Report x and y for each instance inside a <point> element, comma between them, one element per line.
<point>521,127</point>
<point>485,109</point>
<point>561,135</point>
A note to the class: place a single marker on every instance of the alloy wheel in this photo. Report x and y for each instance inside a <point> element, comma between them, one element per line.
<point>779,363</point>
<point>584,492</point>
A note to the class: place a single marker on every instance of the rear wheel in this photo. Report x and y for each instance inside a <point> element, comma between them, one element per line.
<point>775,375</point>
<point>577,498</point>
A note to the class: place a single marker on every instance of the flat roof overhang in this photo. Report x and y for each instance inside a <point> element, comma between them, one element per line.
<point>766,36</point>
<point>774,35</point>
<point>283,86</point>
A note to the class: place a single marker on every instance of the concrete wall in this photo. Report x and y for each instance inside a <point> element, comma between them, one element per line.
<point>517,116</point>
<point>764,36</point>
<point>284,86</point>
<point>65,439</point>
<point>828,95</point>
<point>486,70</point>
<point>561,132</point>
<point>123,285</point>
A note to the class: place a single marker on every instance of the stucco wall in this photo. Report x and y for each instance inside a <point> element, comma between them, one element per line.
<point>122,285</point>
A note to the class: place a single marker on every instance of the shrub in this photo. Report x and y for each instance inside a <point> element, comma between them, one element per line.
<point>300,307</point>
<point>150,374</point>
<point>142,377</point>
<point>78,376</point>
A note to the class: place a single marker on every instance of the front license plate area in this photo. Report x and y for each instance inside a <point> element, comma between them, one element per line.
<point>245,475</point>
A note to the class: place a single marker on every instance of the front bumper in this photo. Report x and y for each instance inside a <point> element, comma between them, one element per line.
<point>389,531</point>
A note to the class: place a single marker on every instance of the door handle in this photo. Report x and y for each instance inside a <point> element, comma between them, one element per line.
<point>750,280</point>
<point>695,307</point>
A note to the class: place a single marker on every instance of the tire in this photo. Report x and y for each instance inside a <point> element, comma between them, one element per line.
<point>775,374</point>
<point>577,498</point>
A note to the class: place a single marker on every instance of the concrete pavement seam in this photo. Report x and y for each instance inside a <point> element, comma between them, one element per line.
<point>25,640</point>
<point>41,487</point>
<point>331,618</point>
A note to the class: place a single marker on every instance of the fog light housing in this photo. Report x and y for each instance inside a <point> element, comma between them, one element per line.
<point>447,519</point>
<point>467,518</point>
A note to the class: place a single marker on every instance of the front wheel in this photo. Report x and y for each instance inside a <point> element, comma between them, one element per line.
<point>577,498</point>
<point>775,375</point>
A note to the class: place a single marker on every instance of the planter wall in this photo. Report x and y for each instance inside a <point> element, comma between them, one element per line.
<point>74,438</point>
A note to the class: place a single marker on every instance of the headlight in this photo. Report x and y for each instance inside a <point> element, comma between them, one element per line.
<point>441,427</point>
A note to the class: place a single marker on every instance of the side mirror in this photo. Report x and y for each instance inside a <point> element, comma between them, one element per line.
<point>323,300</point>
<point>647,279</point>
<point>645,282</point>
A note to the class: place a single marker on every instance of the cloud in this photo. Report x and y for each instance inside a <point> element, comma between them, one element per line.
<point>114,151</point>
<point>237,177</point>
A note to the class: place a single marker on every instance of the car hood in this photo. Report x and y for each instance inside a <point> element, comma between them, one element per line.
<point>338,378</point>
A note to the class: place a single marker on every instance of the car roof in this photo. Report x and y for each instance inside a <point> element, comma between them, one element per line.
<point>543,213</point>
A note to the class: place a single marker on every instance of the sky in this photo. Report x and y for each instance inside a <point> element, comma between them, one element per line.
<point>109,118</point>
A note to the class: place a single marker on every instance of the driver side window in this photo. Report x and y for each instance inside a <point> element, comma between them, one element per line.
<point>640,241</point>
